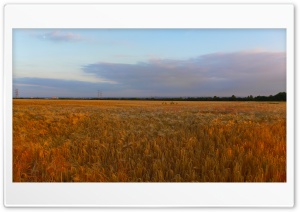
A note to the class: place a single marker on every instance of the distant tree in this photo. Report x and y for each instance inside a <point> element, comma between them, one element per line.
<point>280,96</point>
<point>216,98</point>
<point>250,98</point>
<point>233,97</point>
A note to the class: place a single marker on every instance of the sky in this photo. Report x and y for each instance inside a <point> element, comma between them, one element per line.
<point>149,62</point>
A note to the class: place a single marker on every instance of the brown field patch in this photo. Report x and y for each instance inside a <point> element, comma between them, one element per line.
<point>148,141</point>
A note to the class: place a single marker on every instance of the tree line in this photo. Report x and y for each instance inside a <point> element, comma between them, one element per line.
<point>278,97</point>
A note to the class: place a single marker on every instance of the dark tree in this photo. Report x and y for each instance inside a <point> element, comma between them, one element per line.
<point>280,96</point>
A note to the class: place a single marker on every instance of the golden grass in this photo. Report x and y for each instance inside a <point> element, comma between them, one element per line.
<point>148,141</point>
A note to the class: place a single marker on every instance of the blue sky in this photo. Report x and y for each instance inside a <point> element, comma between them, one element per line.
<point>149,62</point>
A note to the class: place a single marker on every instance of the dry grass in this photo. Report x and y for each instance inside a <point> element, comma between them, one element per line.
<point>148,141</point>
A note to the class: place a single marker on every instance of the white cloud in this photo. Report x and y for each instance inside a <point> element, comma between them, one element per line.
<point>59,36</point>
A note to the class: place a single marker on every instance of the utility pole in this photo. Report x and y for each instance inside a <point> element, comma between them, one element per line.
<point>16,93</point>
<point>99,94</point>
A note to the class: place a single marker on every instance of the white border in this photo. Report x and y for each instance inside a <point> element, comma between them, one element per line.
<point>147,16</point>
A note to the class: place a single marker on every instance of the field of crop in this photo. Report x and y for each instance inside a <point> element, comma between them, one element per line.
<point>148,141</point>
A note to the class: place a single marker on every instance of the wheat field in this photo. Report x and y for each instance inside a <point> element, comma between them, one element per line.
<point>148,141</point>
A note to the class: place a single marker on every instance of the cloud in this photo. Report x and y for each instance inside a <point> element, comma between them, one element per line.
<point>221,74</point>
<point>58,36</point>
<point>239,73</point>
<point>41,87</point>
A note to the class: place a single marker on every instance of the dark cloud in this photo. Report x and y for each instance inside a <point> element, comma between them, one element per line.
<point>239,73</point>
<point>58,36</point>
<point>41,87</point>
<point>221,74</point>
